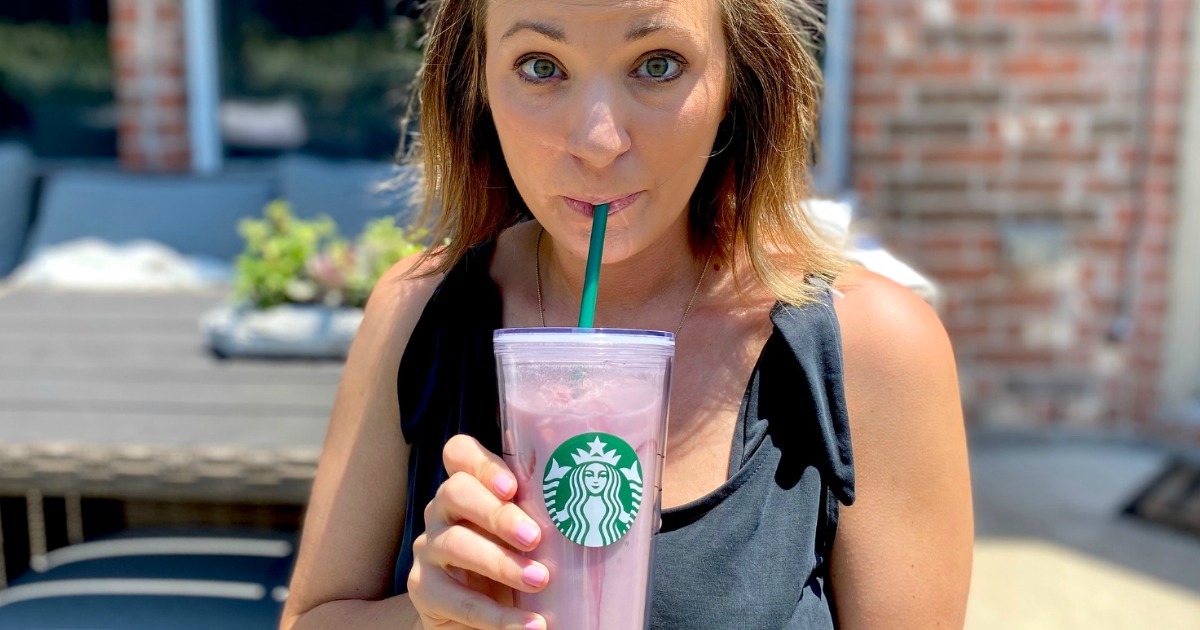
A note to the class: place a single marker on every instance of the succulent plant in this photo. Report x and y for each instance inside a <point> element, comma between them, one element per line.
<point>291,260</point>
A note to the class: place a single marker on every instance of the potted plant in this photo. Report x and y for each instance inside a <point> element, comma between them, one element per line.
<point>300,287</point>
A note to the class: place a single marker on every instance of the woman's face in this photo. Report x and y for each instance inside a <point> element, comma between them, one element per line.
<point>595,477</point>
<point>606,100</point>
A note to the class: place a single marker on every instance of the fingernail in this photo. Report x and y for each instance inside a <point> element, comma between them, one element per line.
<point>535,624</point>
<point>534,575</point>
<point>503,483</point>
<point>526,532</point>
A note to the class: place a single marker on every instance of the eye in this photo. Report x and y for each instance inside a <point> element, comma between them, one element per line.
<point>661,67</point>
<point>537,69</point>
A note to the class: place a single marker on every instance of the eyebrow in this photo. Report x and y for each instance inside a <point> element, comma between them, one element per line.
<point>555,33</point>
<point>547,30</point>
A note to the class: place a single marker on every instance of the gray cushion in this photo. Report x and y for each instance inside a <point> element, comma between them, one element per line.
<point>349,192</point>
<point>196,216</point>
<point>16,203</point>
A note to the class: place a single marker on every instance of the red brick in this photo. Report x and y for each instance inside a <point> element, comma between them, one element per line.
<point>1070,95</point>
<point>174,129</point>
<point>125,10</point>
<point>1021,299</point>
<point>964,156</point>
<point>171,101</point>
<point>940,66</point>
<point>176,160</point>
<point>1023,357</point>
<point>864,129</point>
<point>877,155</point>
<point>1040,65</point>
<point>134,160</point>
<point>173,70</point>
<point>123,44</point>
<point>1036,9</point>
<point>167,12</point>
<point>1051,156</point>
<point>967,9</point>
<point>964,274</point>
<point>866,67</point>
<point>876,98</point>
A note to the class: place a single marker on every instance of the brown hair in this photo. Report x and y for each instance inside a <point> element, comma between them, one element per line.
<point>749,191</point>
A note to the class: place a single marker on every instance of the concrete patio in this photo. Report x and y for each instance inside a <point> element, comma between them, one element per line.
<point>1052,550</point>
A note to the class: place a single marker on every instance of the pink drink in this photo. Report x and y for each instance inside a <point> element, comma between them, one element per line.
<point>584,428</point>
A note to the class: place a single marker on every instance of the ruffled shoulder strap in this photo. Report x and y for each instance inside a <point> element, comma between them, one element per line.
<point>808,366</point>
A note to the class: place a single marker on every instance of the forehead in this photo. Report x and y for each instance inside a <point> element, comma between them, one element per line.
<point>693,15</point>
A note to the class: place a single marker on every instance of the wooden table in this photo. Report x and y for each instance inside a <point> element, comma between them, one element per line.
<point>115,395</point>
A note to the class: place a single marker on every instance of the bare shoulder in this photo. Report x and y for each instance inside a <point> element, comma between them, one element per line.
<point>903,550</point>
<point>882,320</point>
<point>899,367</point>
<point>400,295</point>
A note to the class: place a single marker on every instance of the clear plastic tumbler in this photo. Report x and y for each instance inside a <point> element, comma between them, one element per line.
<point>584,421</point>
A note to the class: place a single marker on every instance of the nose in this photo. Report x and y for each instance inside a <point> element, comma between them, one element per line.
<point>599,137</point>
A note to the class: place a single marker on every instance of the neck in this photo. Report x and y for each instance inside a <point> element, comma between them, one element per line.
<point>650,289</point>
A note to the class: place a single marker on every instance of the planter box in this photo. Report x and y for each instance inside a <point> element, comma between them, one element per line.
<point>289,331</point>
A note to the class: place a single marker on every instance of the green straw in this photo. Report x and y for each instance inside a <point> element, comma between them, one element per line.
<point>591,276</point>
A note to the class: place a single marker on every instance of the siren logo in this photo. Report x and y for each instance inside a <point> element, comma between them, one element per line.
<point>593,488</point>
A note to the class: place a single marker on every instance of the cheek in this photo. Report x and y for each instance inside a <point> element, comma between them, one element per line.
<point>684,133</point>
<point>508,118</point>
<point>677,146</point>
<point>703,111</point>
<point>526,137</point>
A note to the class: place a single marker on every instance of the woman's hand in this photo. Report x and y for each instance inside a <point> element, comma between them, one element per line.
<point>464,564</point>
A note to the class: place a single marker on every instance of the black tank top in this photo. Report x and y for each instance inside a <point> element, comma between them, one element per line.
<point>754,553</point>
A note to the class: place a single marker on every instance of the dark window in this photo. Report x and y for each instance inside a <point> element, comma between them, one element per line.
<point>56,78</point>
<point>328,78</point>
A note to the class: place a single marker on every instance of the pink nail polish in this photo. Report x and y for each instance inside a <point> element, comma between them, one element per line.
<point>526,533</point>
<point>503,483</point>
<point>535,624</point>
<point>534,575</point>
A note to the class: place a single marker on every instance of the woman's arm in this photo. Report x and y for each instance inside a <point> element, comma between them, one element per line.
<point>902,554</point>
<point>353,524</point>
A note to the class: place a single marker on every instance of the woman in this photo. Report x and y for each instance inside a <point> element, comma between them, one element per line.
<point>694,119</point>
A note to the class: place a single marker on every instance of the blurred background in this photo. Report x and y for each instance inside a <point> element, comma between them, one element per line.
<point>196,196</point>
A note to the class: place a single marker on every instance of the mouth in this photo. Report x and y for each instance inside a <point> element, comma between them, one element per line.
<point>587,207</point>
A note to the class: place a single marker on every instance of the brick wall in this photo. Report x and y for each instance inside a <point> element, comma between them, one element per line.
<point>146,37</point>
<point>997,146</point>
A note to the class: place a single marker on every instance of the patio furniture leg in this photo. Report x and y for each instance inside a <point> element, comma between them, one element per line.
<point>74,518</point>
<point>37,528</point>
<point>3,567</point>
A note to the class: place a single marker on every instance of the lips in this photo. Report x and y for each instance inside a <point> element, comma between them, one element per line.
<point>615,204</point>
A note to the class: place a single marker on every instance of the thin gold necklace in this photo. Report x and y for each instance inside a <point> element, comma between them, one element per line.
<point>537,273</point>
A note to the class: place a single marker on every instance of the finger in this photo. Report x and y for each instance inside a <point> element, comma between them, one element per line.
<point>462,547</point>
<point>459,575</point>
<point>464,453</point>
<point>463,499</point>
<point>439,598</point>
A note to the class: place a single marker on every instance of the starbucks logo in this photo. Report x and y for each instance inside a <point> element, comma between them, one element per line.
<point>593,488</point>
